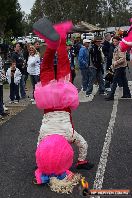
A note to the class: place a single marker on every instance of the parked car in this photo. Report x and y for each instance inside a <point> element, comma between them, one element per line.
<point>89,36</point>
<point>21,40</point>
<point>28,39</point>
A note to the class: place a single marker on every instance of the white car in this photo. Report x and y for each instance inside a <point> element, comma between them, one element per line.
<point>21,40</point>
<point>89,36</point>
<point>28,39</point>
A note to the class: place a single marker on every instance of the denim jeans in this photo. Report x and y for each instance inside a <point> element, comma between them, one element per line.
<point>14,92</point>
<point>105,66</point>
<point>73,75</point>
<point>22,86</point>
<point>120,79</point>
<point>85,78</point>
<point>34,80</point>
<point>1,100</point>
<point>93,75</point>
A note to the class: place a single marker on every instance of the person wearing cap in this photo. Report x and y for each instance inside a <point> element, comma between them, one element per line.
<point>96,67</point>
<point>84,63</point>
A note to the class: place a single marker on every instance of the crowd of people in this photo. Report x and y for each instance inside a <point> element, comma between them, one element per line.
<point>99,60</point>
<point>24,61</point>
<point>102,60</point>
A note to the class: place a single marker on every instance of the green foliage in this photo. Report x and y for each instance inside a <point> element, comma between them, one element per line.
<point>104,12</point>
<point>10,18</point>
<point>14,22</point>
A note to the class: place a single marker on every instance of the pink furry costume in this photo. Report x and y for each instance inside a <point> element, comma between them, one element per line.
<point>58,96</point>
<point>126,42</point>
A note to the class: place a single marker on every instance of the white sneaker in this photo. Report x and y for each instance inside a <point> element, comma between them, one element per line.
<point>31,100</point>
<point>5,108</point>
<point>11,102</point>
<point>88,95</point>
<point>16,102</point>
<point>1,117</point>
<point>34,102</point>
<point>83,90</point>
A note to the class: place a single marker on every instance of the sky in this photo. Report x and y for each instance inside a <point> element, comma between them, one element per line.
<point>26,5</point>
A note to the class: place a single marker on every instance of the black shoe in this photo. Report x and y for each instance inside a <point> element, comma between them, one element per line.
<point>4,114</point>
<point>84,165</point>
<point>126,97</point>
<point>45,28</point>
<point>109,98</point>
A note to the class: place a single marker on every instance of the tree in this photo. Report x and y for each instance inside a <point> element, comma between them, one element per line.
<point>10,18</point>
<point>58,10</point>
<point>104,12</point>
<point>115,12</point>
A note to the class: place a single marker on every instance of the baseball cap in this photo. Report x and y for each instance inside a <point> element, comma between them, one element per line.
<point>86,41</point>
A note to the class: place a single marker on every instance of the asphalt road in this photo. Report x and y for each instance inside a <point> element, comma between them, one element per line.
<point>93,120</point>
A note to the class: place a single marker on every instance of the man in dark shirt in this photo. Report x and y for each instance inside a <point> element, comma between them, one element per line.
<point>17,55</point>
<point>96,67</point>
<point>108,49</point>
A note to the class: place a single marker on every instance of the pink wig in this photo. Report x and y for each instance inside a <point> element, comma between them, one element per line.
<point>54,155</point>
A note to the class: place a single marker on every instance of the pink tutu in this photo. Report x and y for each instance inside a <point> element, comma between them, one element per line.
<point>56,95</point>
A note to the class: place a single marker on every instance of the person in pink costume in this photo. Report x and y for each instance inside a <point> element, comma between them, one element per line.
<point>126,42</point>
<point>58,96</point>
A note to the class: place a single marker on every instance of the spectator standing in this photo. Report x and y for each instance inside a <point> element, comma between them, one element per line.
<point>2,78</point>
<point>33,67</point>
<point>37,46</point>
<point>71,56</point>
<point>96,67</point>
<point>17,55</point>
<point>106,48</point>
<point>13,76</point>
<point>119,65</point>
<point>26,55</point>
<point>83,59</point>
<point>77,46</point>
